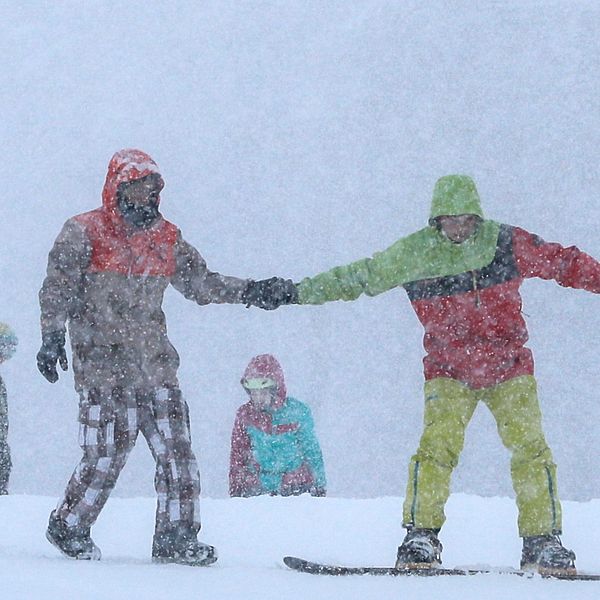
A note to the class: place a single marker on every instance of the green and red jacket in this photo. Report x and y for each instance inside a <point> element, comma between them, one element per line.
<point>465,295</point>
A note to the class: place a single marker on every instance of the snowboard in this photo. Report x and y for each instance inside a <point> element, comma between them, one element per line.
<point>314,568</point>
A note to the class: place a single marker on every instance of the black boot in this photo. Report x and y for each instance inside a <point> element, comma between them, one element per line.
<point>73,542</point>
<point>180,545</point>
<point>545,554</point>
<point>421,549</point>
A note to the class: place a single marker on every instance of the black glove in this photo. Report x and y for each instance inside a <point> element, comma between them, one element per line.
<point>52,350</point>
<point>271,293</point>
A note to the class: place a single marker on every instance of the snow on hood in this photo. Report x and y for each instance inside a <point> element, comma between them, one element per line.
<point>125,165</point>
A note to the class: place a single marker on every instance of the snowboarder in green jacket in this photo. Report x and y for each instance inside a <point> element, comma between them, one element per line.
<point>462,274</point>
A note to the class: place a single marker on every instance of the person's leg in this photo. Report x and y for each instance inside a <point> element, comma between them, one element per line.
<point>165,425</point>
<point>5,461</point>
<point>449,406</point>
<point>516,409</point>
<point>107,432</point>
<point>5,467</point>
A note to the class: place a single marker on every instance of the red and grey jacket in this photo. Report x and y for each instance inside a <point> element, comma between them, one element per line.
<point>106,281</point>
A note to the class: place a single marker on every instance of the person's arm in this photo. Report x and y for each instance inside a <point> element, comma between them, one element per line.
<point>60,295</point>
<point>61,289</point>
<point>371,276</point>
<point>196,282</point>
<point>570,267</point>
<point>243,471</point>
<point>311,451</point>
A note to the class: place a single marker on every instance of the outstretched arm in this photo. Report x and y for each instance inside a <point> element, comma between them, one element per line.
<point>196,282</point>
<point>371,276</point>
<point>570,267</point>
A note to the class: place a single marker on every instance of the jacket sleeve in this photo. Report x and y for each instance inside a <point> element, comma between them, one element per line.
<point>311,448</point>
<point>196,282</point>
<point>570,267</point>
<point>243,470</point>
<point>371,276</point>
<point>61,291</point>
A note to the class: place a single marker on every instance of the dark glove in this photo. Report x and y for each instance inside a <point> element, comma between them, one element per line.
<point>271,293</point>
<point>52,350</point>
<point>319,492</point>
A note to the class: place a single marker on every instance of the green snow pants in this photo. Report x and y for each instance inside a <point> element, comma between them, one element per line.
<point>449,406</point>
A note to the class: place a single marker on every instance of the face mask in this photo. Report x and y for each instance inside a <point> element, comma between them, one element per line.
<point>138,215</point>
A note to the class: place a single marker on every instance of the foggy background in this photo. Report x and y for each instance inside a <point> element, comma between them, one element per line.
<point>294,136</point>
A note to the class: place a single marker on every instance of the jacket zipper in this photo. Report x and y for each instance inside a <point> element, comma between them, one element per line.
<point>476,289</point>
<point>131,258</point>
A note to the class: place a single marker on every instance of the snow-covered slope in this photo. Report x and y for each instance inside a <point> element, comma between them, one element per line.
<point>252,535</point>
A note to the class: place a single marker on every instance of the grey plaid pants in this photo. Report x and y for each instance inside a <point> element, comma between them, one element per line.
<point>109,426</point>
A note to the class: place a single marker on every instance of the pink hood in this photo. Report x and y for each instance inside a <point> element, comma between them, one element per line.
<point>266,365</point>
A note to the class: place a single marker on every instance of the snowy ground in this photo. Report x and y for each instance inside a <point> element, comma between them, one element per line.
<point>253,535</point>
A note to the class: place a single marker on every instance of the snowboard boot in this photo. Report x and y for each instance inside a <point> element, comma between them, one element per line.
<point>180,545</point>
<point>545,554</point>
<point>421,549</point>
<point>73,542</point>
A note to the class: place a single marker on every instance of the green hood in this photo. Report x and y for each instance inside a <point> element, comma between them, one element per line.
<point>455,195</point>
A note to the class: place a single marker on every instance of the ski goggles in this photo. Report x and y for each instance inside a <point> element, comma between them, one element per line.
<point>258,383</point>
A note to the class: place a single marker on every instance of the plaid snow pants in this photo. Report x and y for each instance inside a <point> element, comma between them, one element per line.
<point>109,425</point>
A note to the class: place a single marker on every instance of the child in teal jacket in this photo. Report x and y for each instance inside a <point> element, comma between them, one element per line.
<point>274,449</point>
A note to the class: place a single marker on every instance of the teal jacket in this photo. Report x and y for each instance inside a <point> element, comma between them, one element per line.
<point>275,451</point>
